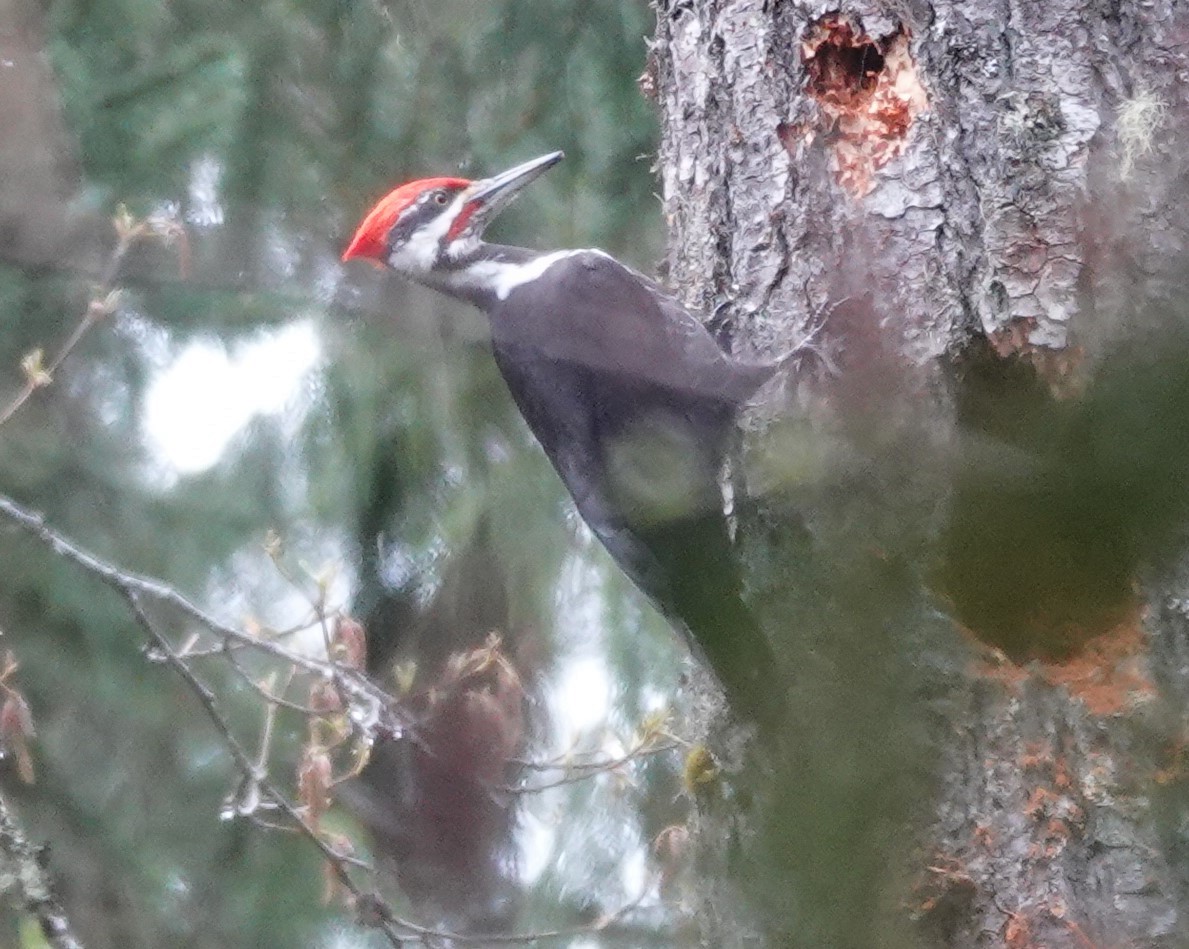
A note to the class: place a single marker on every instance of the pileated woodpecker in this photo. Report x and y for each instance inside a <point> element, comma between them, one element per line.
<point>628,393</point>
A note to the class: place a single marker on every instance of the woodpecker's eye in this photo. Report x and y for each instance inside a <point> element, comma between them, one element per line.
<point>439,197</point>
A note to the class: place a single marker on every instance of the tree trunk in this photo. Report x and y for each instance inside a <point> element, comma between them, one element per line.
<point>967,528</point>
<point>36,164</point>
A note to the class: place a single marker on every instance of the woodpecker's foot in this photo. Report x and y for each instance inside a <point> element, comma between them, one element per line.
<point>811,349</point>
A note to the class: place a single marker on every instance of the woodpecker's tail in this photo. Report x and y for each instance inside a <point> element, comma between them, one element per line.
<point>702,594</point>
<point>686,564</point>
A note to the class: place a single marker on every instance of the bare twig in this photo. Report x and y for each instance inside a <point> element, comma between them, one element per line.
<point>25,870</point>
<point>267,694</point>
<point>250,769</point>
<point>508,939</point>
<point>127,584</point>
<point>38,376</point>
<point>193,651</point>
<point>582,771</point>
<point>271,709</point>
<point>103,302</point>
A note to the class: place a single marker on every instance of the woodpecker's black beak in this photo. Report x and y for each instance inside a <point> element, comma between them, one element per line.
<point>492,195</point>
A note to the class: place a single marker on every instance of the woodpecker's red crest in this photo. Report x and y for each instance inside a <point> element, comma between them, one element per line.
<point>425,224</point>
<point>372,236</point>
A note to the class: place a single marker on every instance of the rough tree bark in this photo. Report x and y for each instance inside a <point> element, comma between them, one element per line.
<point>983,202</point>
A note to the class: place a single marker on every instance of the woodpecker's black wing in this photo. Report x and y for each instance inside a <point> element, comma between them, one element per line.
<point>632,403</point>
<point>588,307</point>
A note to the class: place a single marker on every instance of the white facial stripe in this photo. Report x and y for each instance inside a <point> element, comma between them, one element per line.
<point>420,252</point>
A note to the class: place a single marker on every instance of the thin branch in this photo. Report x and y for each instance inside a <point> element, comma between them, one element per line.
<point>242,760</point>
<point>585,771</point>
<point>373,910</point>
<point>101,304</point>
<point>223,648</point>
<point>200,689</point>
<point>271,710</point>
<point>36,376</point>
<point>128,584</point>
<point>267,694</point>
<point>26,869</point>
<point>508,939</point>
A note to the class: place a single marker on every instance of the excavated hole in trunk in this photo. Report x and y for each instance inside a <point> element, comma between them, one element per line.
<point>868,93</point>
<point>844,70</point>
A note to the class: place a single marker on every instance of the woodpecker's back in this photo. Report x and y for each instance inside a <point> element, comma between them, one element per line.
<point>633,402</point>
<point>630,396</point>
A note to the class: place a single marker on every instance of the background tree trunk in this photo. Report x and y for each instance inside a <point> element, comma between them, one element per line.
<point>966,541</point>
<point>37,166</point>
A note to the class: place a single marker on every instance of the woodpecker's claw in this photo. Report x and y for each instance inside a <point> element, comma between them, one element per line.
<point>809,347</point>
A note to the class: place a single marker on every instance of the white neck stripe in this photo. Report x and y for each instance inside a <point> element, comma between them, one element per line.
<point>501,277</point>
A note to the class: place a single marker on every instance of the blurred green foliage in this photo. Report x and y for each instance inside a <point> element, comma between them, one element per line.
<point>268,128</point>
